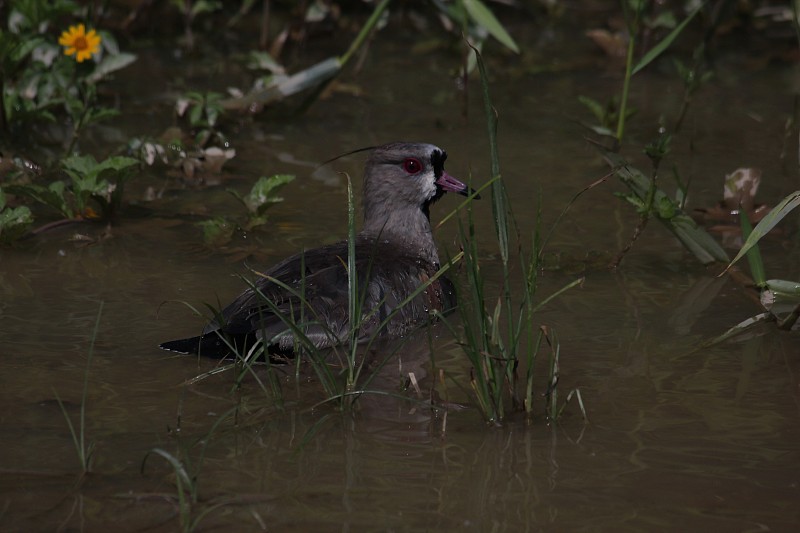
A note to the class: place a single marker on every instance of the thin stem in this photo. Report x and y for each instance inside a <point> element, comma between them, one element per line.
<point>85,458</point>
<point>365,31</point>
<point>623,105</point>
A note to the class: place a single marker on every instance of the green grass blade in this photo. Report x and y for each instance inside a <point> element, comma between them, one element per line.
<point>772,218</point>
<point>354,308</point>
<point>369,25</point>
<point>665,43</point>
<point>484,16</point>
<point>753,254</point>
<point>180,470</point>
<point>741,327</point>
<point>558,293</point>
<point>86,379</point>
<point>76,441</point>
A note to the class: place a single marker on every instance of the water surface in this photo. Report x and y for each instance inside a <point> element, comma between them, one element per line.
<point>678,438</point>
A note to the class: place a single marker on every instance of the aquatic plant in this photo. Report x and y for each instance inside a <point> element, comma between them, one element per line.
<point>14,221</point>
<point>83,449</point>
<point>190,10</point>
<point>646,195</point>
<point>88,184</point>
<point>203,111</point>
<point>780,298</point>
<point>494,354</point>
<point>261,197</point>
<point>652,201</point>
<point>472,17</point>
<point>187,474</point>
<point>102,183</point>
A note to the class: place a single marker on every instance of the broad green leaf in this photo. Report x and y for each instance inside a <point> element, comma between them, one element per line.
<point>52,196</point>
<point>665,43</point>
<point>483,16</point>
<point>263,192</point>
<point>14,222</point>
<point>98,114</point>
<point>768,222</point>
<point>116,163</point>
<point>79,166</point>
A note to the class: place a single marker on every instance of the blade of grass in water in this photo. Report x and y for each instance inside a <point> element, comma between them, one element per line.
<point>753,254</point>
<point>767,223</point>
<point>79,436</point>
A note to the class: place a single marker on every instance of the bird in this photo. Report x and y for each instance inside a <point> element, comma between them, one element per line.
<point>395,255</point>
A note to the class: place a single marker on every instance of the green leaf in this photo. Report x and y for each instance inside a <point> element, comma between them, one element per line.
<point>217,231</point>
<point>205,6</point>
<point>14,222</point>
<point>109,64</point>
<point>694,238</point>
<point>767,223</point>
<point>665,43</point>
<point>665,208</point>
<point>753,254</point>
<point>116,163</point>
<point>783,287</point>
<point>196,114</point>
<point>97,114</point>
<point>79,166</point>
<point>51,196</point>
<point>483,16</point>
<point>597,109</point>
<point>262,195</point>
<point>258,60</point>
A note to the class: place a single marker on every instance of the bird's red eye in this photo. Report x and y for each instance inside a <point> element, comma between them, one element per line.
<point>412,166</point>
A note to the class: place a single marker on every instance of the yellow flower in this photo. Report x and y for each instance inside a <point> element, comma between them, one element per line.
<point>79,43</point>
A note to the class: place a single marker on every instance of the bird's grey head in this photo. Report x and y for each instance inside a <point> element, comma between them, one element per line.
<point>407,176</point>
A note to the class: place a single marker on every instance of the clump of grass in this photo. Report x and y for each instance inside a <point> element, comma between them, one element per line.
<point>499,333</point>
<point>187,476</point>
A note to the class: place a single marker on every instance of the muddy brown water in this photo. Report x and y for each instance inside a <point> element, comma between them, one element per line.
<point>677,438</point>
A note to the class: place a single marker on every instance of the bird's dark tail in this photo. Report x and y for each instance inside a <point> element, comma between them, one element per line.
<point>208,345</point>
